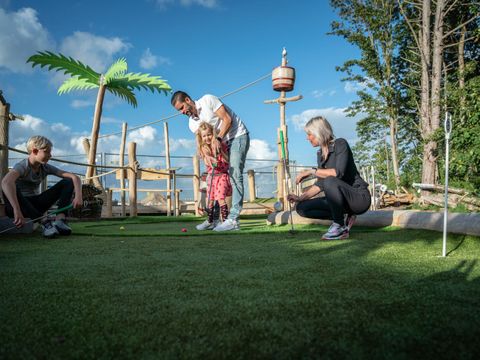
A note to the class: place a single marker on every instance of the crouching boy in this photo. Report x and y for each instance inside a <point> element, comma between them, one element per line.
<point>21,189</point>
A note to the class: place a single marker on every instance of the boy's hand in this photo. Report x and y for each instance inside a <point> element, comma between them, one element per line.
<point>18,220</point>
<point>77,202</point>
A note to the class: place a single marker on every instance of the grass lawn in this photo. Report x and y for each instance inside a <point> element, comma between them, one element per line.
<point>151,291</point>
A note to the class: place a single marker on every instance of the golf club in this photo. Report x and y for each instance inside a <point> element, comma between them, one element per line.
<point>287,178</point>
<point>209,190</point>
<point>53,212</point>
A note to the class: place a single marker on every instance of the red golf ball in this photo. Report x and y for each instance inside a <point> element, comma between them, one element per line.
<point>184,229</point>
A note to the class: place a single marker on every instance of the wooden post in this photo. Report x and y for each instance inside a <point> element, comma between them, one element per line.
<point>96,127</point>
<point>167,164</point>
<point>281,101</point>
<point>251,185</point>
<point>4,125</point>
<point>121,163</point>
<point>132,178</point>
<point>280,183</point>
<point>175,194</point>
<point>196,183</point>
<point>109,213</point>
<point>96,181</point>
<point>177,202</point>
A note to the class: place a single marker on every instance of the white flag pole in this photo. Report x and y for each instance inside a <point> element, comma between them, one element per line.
<point>448,130</point>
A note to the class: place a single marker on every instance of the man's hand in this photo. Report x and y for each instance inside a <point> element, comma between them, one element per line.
<point>216,146</point>
<point>18,220</point>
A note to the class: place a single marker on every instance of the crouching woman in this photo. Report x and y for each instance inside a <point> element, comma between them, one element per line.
<point>346,193</point>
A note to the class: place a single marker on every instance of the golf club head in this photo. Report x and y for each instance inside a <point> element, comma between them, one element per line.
<point>278,206</point>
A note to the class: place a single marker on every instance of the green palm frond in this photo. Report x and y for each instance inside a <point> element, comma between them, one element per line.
<point>124,92</point>
<point>141,81</point>
<point>75,83</point>
<point>67,65</point>
<point>118,68</point>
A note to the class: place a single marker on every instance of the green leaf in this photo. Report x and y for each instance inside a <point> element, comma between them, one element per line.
<point>124,92</point>
<point>75,83</point>
<point>67,65</point>
<point>145,81</point>
<point>118,68</point>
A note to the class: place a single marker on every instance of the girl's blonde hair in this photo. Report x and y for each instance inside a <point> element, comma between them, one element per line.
<point>204,149</point>
<point>321,129</point>
<point>38,142</point>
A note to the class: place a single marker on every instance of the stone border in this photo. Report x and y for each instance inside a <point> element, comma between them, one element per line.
<point>458,223</point>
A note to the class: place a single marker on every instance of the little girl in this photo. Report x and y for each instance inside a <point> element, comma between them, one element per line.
<point>219,187</point>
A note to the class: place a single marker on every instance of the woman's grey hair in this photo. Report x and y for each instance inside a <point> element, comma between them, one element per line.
<point>321,129</point>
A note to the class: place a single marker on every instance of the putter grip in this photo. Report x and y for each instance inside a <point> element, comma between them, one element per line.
<point>282,141</point>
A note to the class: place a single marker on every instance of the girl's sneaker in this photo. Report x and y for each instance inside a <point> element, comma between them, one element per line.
<point>207,225</point>
<point>336,232</point>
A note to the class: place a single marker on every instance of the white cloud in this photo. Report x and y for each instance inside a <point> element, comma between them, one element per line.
<point>95,51</point>
<point>343,126</point>
<point>21,35</point>
<point>142,136</point>
<point>177,145</point>
<point>163,4</point>
<point>59,127</point>
<point>76,104</point>
<point>260,149</point>
<point>351,86</point>
<point>149,61</point>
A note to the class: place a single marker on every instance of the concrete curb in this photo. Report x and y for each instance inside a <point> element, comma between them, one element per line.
<point>458,223</point>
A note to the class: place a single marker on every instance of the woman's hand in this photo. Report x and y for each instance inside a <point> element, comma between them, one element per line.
<point>293,198</point>
<point>302,176</point>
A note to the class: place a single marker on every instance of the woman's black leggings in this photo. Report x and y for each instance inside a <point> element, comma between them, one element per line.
<point>340,198</point>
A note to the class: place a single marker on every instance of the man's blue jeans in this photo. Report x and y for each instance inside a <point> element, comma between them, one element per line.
<point>238,153</point>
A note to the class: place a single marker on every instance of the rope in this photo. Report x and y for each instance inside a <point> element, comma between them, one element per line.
<point>174,115</point>
<point>69,162</point>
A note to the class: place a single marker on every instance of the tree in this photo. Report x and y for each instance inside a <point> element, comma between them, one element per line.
<point>116,80</point>
<point>372,25</point>
<point>430,40</point>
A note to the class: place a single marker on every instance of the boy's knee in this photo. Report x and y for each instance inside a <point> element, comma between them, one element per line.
<point>67,183</point>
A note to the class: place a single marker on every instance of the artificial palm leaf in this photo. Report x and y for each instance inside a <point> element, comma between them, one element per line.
<point>141,81</point>
<point>75,83</point>
<point>67,65</point>
<point>118,69</point>
<point>124,92</point>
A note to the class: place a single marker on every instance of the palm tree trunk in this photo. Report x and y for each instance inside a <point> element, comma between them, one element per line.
<point>95,129</point>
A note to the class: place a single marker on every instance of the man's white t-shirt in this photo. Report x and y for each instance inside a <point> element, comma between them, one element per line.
<point>206,106</point>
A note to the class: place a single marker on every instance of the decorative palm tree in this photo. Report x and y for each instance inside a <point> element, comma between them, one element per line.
<point>116,80</point>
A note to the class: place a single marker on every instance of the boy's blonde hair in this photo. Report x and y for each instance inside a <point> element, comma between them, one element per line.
<point>38,142</point>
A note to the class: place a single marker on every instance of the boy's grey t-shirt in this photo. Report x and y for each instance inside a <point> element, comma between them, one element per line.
<point>29,181</point>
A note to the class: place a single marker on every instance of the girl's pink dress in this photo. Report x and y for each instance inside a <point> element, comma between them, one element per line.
<point>221,186</point>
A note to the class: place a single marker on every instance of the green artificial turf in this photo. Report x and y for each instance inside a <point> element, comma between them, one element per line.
<point>152,291</point>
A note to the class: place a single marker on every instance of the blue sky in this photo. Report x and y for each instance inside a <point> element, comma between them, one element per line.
<point>200,46</point>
